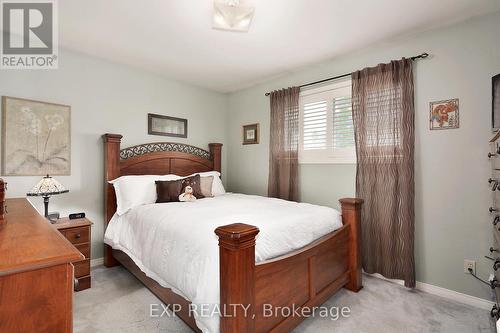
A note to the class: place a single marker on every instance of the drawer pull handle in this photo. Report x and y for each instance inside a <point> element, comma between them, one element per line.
<point>492,249</point>
<point>490,155</point>
<point>76,283</point>
<point>496,220</point>
<point>78,236</point>
<point>491,209</point>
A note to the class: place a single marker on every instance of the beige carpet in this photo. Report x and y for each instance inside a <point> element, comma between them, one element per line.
<point>117,302</point>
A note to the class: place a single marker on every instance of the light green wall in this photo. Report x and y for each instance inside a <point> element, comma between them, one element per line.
<point>452,195</point>
<point>451,168</point>
<point>317,185</point>
<point>109,98</point>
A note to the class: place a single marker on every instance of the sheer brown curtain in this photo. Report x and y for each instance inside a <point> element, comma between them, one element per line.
<point>383,115</point>
<point>284,145</point>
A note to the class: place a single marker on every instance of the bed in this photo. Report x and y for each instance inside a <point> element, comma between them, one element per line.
<point>279,271</point>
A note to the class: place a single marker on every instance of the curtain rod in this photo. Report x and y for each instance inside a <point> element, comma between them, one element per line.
<point>420,56</point>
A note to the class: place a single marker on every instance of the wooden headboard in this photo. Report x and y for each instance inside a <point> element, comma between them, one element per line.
<point>157,158</point>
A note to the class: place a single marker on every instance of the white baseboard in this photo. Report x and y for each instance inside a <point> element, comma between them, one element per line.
<point>455,296</point>
<point>445,293</point>
<point>425,287</point>
<point>97,262</point>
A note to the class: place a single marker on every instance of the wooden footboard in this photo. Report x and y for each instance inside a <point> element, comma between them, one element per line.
<point>251,294</point>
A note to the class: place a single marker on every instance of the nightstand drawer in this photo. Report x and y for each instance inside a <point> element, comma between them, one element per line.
<point>82,268</point>
<point>77,231</point>
<point>77,235</point>
<point>83,283</point>
<point>84,249</point>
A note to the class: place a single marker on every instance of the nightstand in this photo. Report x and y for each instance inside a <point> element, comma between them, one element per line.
<point>78,233</point>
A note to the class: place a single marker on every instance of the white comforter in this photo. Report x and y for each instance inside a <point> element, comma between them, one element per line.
<point>175,244</point>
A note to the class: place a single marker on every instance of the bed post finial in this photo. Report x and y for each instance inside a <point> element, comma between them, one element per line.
<point>351,216</point>
<point>111,171</point>
<point>216,152</point>
<point>237,276</point>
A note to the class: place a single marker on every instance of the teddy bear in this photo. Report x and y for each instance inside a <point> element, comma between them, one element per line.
<point>187,196</point>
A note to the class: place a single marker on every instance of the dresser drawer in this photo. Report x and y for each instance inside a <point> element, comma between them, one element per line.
<point>82,268</point>
<point>77,235</point>
<point>84,249</point>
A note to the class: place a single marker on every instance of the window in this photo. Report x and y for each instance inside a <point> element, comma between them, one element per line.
<point>326,128</point>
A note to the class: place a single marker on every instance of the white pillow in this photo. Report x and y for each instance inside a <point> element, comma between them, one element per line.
<point>134,191</point>
<point>217,186</point>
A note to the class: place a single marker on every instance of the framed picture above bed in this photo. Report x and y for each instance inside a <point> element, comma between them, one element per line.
<point>251,134</point>
<point>36,138</point>
<point>167,126</point>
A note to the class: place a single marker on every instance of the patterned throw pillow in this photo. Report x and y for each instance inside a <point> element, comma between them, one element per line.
<point>194,182</point>
<point>168,190</point>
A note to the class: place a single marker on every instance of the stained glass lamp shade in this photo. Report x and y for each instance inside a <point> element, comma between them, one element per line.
<point>46,187</point>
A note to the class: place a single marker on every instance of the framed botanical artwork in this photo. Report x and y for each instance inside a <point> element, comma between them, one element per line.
<point>444,114</point>
<point>251,134</point>
<point>36,138</point>
<point>167,126</point>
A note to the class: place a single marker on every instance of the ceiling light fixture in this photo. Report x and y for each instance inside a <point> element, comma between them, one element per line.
<point>230,15</point>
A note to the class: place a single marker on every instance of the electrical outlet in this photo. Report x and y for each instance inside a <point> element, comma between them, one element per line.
<point>469,264</point>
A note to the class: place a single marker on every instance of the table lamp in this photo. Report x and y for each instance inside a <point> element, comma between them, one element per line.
<point>45,188</point>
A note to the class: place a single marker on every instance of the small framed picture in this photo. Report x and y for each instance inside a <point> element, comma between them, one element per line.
<point>167,126</point>
<point>251,134</point>
<point>444,114</point>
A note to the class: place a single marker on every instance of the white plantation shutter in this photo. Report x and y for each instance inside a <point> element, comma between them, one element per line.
<point>315,123</point>
<point>326,128</point>
<point>343,128</point>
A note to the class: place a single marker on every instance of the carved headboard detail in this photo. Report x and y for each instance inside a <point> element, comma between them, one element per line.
<point>163,146</point>
<point>158,158</point>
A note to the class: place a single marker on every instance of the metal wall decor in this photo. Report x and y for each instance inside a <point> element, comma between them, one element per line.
<point>163,146</point>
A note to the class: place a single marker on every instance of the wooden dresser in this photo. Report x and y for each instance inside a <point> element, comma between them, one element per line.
<point>36,274</point>
<point>78,233</point>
